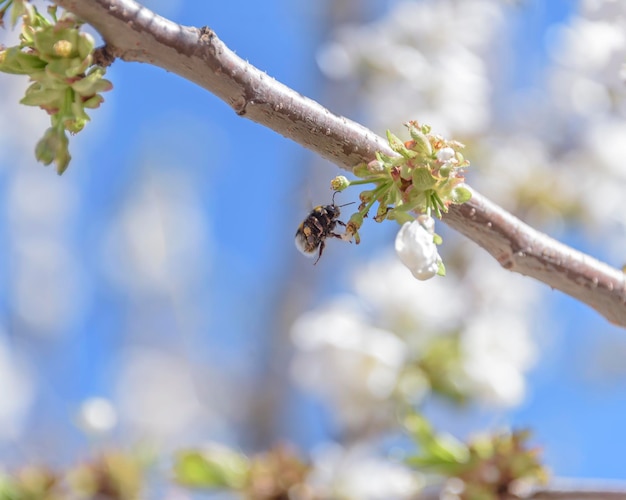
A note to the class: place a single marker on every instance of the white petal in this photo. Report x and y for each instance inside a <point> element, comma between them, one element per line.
<point>416,249</point>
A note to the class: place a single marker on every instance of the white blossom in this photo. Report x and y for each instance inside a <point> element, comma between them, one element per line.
<point>97,415</point>
<point>358,474</point>
<point>488,308</point>
<point>445,154</point>
<point>496,353</point>
<point>156,394</point>
<point>347,361</point>
<point>416,249</point>
<point>407,306</point>
<point>424,59</point>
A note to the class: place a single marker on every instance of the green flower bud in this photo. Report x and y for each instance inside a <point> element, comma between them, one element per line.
<point>352,228</point>
<point>93,102</point>
<point>43,41</point>
<point>356,219</point>
<point>75,125</point>
<point>400,215</point>
<point>461,159</point>
<point>376,166</point>
<point>381,213</point>
<point>55,56</point>
<point>398,146</point>
<point>78,110</point>
<point>361,170</point>
<point>460,194</point>
<point>20,9</point>
<point>367,196</point>
<point>339,183</point>
<point>421,144</point>
<point>93,83</point>
<point>53,147</point>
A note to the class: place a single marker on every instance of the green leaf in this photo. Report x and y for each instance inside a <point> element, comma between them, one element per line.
<point>400,215</point>
<point>16,62</point>
<point>433,464</point>
<point>419,428</point>
<point>422,178</point>
<point>37,95</point>
<point>217,468</point>
<point>449,449</point>
<point>361,170</point>
<point>93,83</point>
<point>442,269</point>
<point>398,146</point>
<point>86,45</point>
<point>422,144</point>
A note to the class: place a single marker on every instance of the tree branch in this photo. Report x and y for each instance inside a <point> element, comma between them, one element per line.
<point>561,490</point>
<point>134,33</point>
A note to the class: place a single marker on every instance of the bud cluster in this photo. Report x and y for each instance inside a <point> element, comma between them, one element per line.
<point>425,178</point>
<point>58,59</point>
<point>489,467</point>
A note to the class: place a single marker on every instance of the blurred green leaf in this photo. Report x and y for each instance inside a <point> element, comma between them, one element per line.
<point>215,468</point>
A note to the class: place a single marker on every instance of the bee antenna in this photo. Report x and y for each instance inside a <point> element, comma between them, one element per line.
<point>345,204</point>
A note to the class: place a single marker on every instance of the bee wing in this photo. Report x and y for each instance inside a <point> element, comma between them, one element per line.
<point>303,245</point>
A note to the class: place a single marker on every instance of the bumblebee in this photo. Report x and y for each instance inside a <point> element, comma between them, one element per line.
<point>319,225</point>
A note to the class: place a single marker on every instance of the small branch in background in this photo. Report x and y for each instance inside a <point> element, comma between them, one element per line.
<point>134,33</point>
<point>574,490</point>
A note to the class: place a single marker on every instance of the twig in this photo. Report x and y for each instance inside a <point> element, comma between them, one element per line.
<point>575,489</point>
<point>134,33</point>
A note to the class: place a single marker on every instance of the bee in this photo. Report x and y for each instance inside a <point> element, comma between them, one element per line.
<point>319,225</point>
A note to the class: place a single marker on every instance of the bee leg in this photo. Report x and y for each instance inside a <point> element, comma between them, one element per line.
<point>318,225</point>
<point>319,255</point>
<point>341,223</point>
<point>340,236</point>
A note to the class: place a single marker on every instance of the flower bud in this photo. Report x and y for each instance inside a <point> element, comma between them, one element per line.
<point>339,183</point>
<point>93,102</point>
<point>367,196</point>
<point>381,213</point>
<point>53,147</point>
<point>416,249</point>
<point>421,142</point>
<point>398,146</point>
<point>352,231</point>
<point>75,124</point>
<point>376,166</point>
<point>445,154</point>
